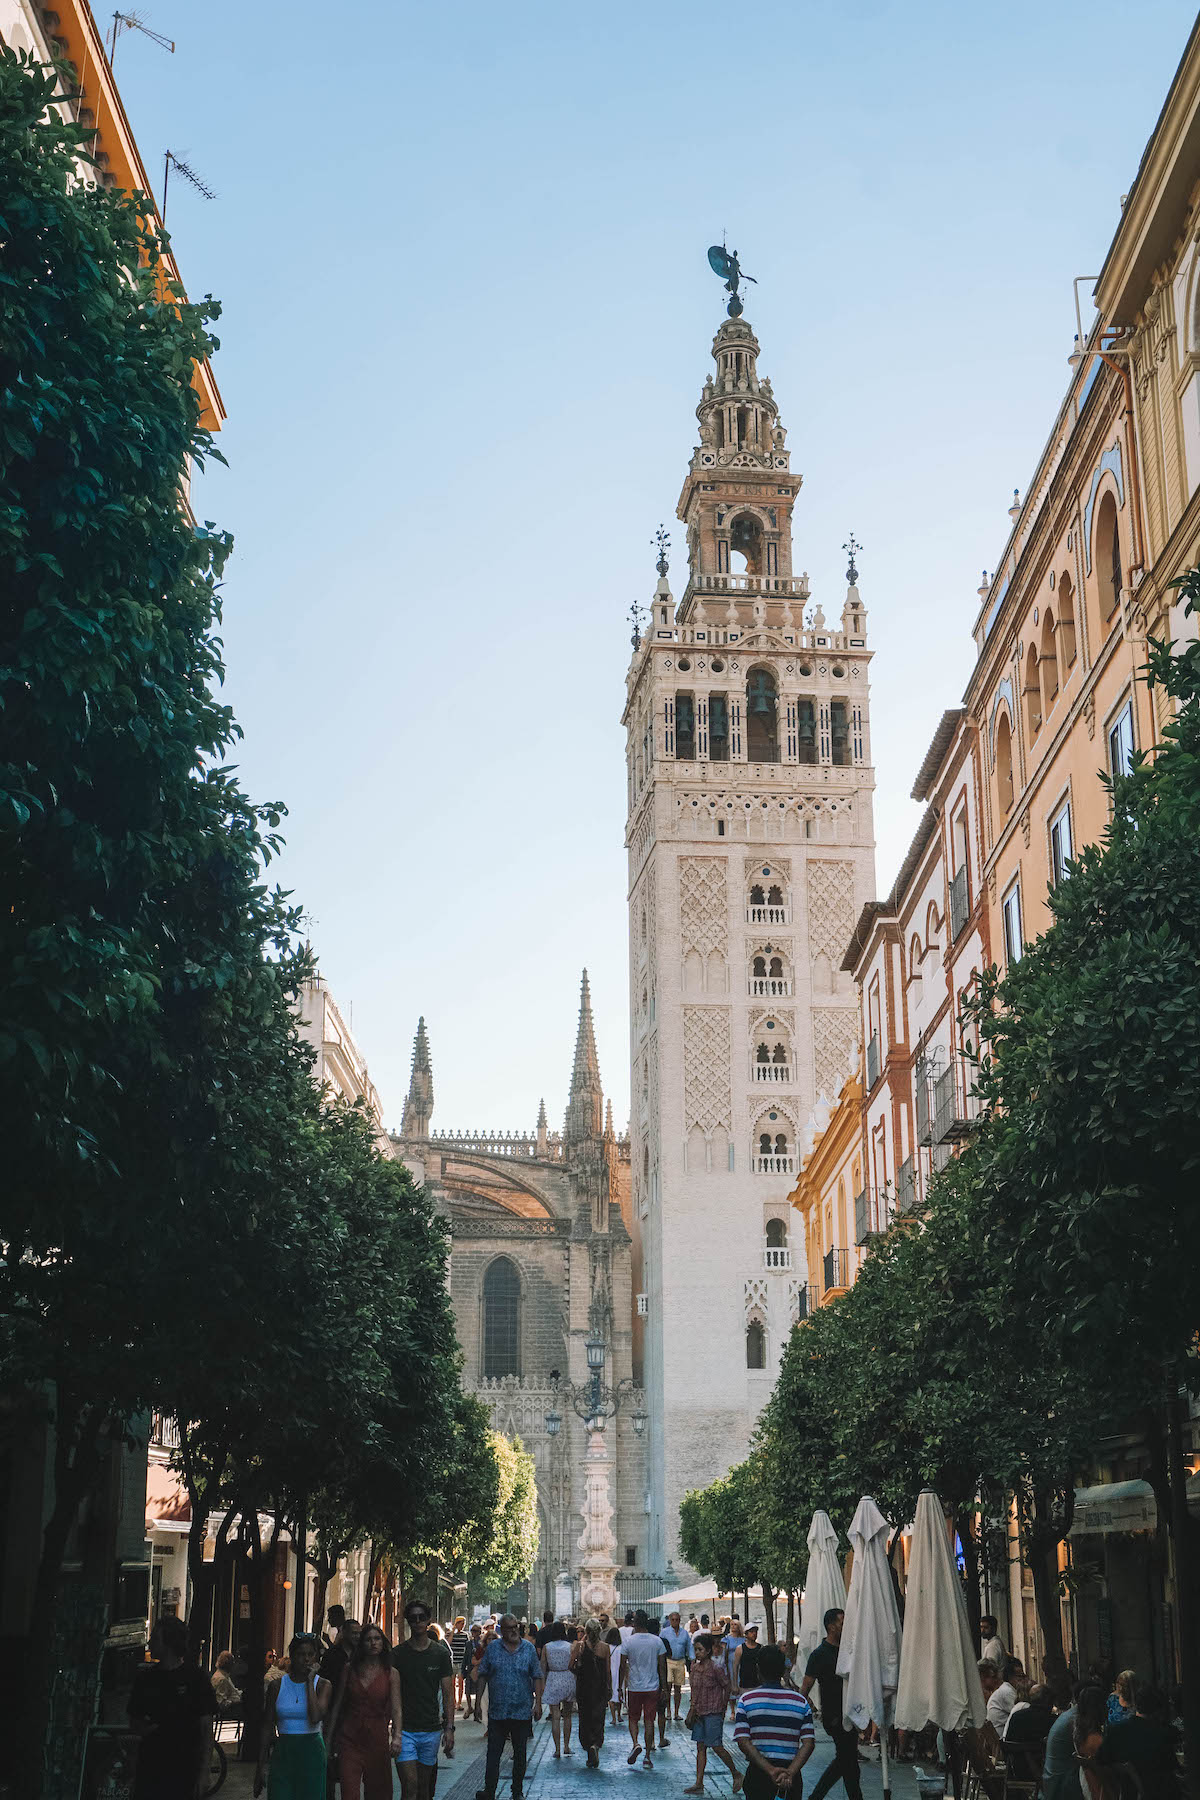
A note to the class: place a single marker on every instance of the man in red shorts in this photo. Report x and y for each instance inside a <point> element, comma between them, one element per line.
<point>644,1659</point>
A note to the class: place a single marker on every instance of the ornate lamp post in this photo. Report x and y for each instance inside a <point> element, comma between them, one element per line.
<point>595,1403</point>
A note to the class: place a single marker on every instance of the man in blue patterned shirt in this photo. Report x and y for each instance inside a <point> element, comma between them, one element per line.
<point>773,1729</point>
<point>513,1672</point>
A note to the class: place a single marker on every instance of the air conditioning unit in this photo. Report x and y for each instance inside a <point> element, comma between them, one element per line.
<point>643,1304</point>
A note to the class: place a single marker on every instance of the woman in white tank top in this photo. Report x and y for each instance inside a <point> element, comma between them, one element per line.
<point>294,1707</point>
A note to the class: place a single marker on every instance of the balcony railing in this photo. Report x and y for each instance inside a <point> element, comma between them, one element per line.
<point>923,1099</point>
<point>773,1071</point>
<point>866,1216</point>
<point>836,1270</point>
<point>767,915</point>
<point>873,1062</point>
<point>808,1298</point>
<point>955,1107</point>
<point>774,1165</point>
<point>164,1431</point>
<point>776,1257</point>
<point>960,903</point>
<point>770,987</point>
<point>906,1186</point>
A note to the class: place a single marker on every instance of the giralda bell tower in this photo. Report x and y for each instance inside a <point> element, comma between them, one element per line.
<point>751,851</point>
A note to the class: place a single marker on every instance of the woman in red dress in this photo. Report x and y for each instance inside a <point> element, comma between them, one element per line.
<point>364,1731</point>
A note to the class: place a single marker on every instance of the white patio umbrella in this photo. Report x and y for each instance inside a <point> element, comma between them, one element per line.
<point>869,1658</point>
<point>939,1677</point>
<point>824,1587</point>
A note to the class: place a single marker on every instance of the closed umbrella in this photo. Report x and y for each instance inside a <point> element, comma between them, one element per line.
<point>939,1676</point>
<point>869,1657</point>
<point>823,1587</point>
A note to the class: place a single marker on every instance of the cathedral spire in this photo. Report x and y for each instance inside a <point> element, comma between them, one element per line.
<point>543,1130</point>
<point>418,1108</point>
<point>585,1106</point>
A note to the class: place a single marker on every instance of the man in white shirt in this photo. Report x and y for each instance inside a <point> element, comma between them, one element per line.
<point>644,1660</point>
<point>991,1647</point>
<point>1014,1687</point>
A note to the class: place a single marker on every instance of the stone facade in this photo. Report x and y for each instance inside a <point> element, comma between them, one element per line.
<point>541,1261</point>
<point>751,852</point>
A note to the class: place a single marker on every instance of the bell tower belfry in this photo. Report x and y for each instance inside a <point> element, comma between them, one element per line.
<point>751,852</point>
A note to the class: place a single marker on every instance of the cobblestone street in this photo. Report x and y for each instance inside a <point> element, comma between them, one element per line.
<point>570,1778</point>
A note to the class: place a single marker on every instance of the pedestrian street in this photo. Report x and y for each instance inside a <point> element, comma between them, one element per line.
<point>570,1778</point>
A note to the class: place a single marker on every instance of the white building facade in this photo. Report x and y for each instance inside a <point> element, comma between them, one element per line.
<point>751,853</point>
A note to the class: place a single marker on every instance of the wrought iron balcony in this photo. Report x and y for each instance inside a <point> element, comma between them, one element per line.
<point>906,1187</point>
<point>955,1107</point>
<point>836,1270</point>
<point>923,1100</point>
<point>960,903</point>
<point>808,1299</point>
<point>866,1216</point>
<point>776,1256</point>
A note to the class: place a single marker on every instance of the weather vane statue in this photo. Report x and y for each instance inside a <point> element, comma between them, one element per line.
<point>725,263</point>
<point>662,538</point>
<point>852,549</point>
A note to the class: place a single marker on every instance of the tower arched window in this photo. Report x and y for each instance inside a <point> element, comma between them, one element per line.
<point>774,895</point>
<point>764,1143</point>
<point>806,719</point>
<point>685,728</point>
<point>1048,662</point>
<point>760,968</point>
<point>762,1054</point>
<point>1066,624</point>
<point>839,730</point>
<point>776,969</point>
<point>501,1319</point>
<point>1033,695</point>
<point>1004,763</point>
<point>746,537</point>
<point>756,1345</point>
<point>1108,557</point>
<point>762,717</point>
<point>776,1234</point>
<point>758,895</point>
<point>718,728</point>
<point>781,1143</point>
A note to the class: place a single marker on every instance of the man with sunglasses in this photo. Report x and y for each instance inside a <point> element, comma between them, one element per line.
<point>426,1671</point>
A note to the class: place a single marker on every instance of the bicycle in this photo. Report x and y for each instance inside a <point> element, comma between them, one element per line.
<point>217,1770</point>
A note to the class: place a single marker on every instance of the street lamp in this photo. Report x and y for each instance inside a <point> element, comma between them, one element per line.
<point>640,1422</point>
<point>595,1354</point>
<point>553,1423</point>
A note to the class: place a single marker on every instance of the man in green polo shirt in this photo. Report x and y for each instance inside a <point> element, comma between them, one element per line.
<point>426,1672</point>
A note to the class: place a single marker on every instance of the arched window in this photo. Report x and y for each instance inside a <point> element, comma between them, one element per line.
<point>1108,557</point>
<point>839,731</point>
<point>1066,624</point>
<point>1049,662</point>
<point>760,968</point>
<point>777,968</point>
<point>1033,695</point>
<point>685,728</point>
<point>762,734</point>
<point>718,728</point>
<point>501,1319</point>
<point>757,896</point>
<point>762,1054</point>
<point>745,532</point>
<point>776,1234</point>
<point>779,1054</point>
<point>756,1346</point>
<point>1004,763</point>
<point>774,895</point>
<point>781,1144</point>
<point>806,718</point>
<point>764,1143</point>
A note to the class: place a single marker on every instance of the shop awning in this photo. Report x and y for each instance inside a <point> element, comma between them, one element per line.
<point>167,1505</point>
<point>1114,1506</point>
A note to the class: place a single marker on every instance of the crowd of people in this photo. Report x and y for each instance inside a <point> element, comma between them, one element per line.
<point>343,1710</point>
<point>1115,1738</point>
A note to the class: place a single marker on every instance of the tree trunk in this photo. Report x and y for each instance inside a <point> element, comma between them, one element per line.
<point>254,1693</point>
<point>790,1626</point>
<point>1187,1575</point>
<point>769,1603</point>
<point>1043,1536</point>
<point>72,1475</point>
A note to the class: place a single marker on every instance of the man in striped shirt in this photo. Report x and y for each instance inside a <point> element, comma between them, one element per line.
<point>773,1729</point>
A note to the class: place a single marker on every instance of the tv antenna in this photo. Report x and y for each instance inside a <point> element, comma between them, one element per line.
<point>171,161</point>
<point>132,21</point>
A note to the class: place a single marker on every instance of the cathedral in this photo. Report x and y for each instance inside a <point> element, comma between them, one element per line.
<point>751,852</point>
<point>541,1278</point>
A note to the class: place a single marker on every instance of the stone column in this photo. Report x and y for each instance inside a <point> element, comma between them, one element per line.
<point>597,1564</point>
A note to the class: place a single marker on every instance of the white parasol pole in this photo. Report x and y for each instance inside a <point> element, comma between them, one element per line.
<point>883,1750</point>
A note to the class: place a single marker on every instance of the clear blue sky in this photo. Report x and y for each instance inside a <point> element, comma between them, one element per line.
<point>467,317</point>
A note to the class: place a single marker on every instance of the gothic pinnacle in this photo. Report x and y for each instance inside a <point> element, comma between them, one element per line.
<point>585,1114</point>
<point>418,1108</point>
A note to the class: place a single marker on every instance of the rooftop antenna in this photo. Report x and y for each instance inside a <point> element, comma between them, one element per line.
<point>132,21</point>
<point>171,161</point>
